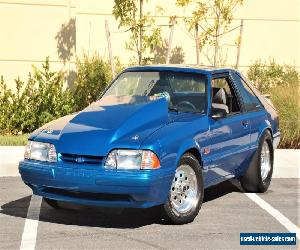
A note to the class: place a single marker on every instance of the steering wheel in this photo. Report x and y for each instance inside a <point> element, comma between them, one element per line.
<point>186,103</point>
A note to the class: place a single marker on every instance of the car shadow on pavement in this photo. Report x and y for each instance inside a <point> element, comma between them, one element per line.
<point>222,189</point>
<point>72,214</point>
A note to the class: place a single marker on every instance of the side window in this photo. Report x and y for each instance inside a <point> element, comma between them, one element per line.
<point>223,95</point>
<point>250,101</point>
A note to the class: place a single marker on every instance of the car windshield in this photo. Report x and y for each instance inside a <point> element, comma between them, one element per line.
<point>186,92</point>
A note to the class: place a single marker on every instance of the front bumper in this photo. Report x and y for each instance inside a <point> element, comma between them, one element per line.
<point>93,185</point>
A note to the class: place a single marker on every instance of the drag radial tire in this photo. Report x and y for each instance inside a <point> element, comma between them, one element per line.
<point>186,192</point>
<point>259,174</point>
<point>52,203</point>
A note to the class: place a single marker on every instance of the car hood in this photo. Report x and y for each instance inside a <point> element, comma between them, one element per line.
<point>111,122</point>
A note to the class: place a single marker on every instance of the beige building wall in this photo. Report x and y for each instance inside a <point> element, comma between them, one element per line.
<point>30,30</point>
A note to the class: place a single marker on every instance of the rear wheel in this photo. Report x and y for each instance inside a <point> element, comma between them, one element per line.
<point>186,193</point>
<point>52,203</point>
<point>259,174</point>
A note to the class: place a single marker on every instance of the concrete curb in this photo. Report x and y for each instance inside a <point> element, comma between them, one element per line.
<point>9,159</point>
<point>286,165</point>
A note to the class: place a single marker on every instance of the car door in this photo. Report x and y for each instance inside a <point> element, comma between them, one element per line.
<point>229,136</point>
<point>252,107</point>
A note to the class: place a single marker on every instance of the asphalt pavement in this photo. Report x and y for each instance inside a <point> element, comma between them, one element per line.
<point>225,213</point>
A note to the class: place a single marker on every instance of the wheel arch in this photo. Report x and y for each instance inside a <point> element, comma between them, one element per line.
<point>193,148</point>
<point>271,133</point>
<point>270,130</point>
<point>195,152</point>
<point>265,126</point>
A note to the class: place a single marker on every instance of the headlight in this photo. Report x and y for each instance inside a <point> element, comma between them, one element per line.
<point>40,151</point>
<point>132,159</point>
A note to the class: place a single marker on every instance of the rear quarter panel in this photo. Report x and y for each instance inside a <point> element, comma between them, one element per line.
<point>271,115</point>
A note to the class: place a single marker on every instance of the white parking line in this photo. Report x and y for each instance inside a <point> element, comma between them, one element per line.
<point>275,213</point>
<point>31,224</point>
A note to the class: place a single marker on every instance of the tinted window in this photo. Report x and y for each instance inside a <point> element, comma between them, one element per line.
<point>187,83</point>
<point>250,101</point>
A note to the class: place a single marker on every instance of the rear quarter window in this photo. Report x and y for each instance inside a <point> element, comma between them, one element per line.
<point>249,99</point>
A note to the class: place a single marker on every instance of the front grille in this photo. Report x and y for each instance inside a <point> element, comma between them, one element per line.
<point>88,196</point>
<point>80,159</point>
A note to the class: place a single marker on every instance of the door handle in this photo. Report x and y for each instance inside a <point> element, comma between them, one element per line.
<point>245,123</point>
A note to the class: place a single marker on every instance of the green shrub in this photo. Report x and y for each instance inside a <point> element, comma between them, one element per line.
<point>35,103</point>
<point>93,75</point>
<point>286,101</point>
<point>5,106</point>
<point>282,82</point>
<point>13,140</point>
<point>266,76</point>
<point>43,98</point>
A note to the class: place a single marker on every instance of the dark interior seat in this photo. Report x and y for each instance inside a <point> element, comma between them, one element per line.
<point>159,87</point>
<point>219,99</point>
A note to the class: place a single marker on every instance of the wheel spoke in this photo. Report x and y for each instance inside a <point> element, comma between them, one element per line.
<point>265,163</point>
<point>184,189</point>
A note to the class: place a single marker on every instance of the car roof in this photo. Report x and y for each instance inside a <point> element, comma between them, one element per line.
<point>181,68</point>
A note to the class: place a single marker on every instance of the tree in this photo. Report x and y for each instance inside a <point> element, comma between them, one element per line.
<point>129,14</point>
<point>213,19</point>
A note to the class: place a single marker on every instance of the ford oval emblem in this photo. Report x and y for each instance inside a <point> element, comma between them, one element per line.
<point>48,131</point>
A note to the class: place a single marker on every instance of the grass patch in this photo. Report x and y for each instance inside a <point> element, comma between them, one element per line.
<point>13,140</point>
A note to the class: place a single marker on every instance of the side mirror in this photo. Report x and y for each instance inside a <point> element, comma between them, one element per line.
<point>218,113</point>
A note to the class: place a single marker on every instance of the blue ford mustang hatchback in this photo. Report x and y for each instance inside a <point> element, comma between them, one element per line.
<point>158,136</point>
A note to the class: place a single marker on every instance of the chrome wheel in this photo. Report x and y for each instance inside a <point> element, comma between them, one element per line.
<point>184,191</point>
<point>265,161</point>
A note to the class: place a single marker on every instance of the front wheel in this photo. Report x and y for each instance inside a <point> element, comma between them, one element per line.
<point>186,193</point>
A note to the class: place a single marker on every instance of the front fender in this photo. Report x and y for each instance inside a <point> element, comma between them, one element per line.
<point>189,144</point>
<point>177,138</point>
